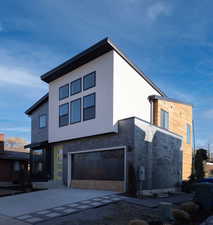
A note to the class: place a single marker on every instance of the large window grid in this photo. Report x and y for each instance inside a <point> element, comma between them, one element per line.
<point>63,115</point>
<point>64,92</point>
<point>89,80</point>
<point>75,111</point>
<point>75,87</point>
<point>89,103</point>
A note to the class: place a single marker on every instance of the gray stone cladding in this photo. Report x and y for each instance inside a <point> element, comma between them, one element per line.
<point>157,151</point>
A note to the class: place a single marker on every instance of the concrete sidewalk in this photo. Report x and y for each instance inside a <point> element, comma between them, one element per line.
<point>4,220</point>
<point>17,205</point>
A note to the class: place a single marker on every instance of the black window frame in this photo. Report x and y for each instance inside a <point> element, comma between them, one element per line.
<point>61,98</point>
<point>84,108</point>
<point>40,120</point>
<point>89,74</point>
<point>63,115</point>
<point>71,111</point>
<point>71,94</point>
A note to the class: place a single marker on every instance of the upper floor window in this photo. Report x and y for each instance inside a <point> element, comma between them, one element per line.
<point>188,134</point>
<point>63,115</point>
<point>64,92</point>
<point>75,111</point>
<point>42,121</point>
<point>89,107</point>
<point>164,119</point>
<point>89,80</point>
<point>75,87</point>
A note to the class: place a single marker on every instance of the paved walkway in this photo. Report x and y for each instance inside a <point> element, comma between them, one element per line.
<point>63,210</point>
<point>17,205</point>
<point>4,220</point>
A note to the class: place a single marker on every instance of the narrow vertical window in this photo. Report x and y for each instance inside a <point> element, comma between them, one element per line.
<point>42,121</point>
<point>63,115</point>
<point>164,119</point>
<point>64,92</point>
<point>89,80</point>
<point>188,134</point>
<point>75,87</point>
<point>89,107</point>
<point>75,111</point>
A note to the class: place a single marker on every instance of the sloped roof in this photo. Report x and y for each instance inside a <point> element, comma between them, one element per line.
<point>41,101</point>
<point>86,56</point>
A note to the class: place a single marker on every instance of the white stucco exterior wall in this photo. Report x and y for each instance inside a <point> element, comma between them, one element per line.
<point>131,92</point>
<point>103,123</point>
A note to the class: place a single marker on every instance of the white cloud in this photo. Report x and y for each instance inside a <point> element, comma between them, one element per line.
<point>19,77</point>
<point>158,9</point>
<point>15,129</point>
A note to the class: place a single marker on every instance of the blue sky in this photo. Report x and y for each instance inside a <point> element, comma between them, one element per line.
<point>171,41</point>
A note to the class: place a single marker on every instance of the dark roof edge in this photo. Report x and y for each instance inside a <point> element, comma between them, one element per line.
<point>45,76</point>
<point>108,45</point>
<point>156,97</point>
<point>37,144</point>
<point>37,104</point>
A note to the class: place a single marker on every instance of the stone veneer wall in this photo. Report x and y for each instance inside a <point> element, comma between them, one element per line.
<point>151,147</point>
<point>159,152</point>
<point>179,116</point>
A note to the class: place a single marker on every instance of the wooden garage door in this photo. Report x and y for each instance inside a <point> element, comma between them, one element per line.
<point>98,170</point>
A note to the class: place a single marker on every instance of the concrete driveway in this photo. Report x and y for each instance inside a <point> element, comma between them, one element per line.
<point>18,205</point>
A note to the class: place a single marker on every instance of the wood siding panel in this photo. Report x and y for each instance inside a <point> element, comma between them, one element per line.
<point>179,116</point>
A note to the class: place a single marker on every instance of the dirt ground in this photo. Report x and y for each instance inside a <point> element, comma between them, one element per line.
<point>119,213</point>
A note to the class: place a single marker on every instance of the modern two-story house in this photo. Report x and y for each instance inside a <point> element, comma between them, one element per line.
<point>105,125</point>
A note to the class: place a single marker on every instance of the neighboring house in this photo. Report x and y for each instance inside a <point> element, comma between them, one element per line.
<point>99,126</point>
<point>11,162</point>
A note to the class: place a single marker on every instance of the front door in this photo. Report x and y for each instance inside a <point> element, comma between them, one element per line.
<point>58,163</point>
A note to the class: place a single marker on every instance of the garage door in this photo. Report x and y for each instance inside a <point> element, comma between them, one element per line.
<point>103,170</point>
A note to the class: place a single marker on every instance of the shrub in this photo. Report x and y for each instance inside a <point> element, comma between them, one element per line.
<point>137,222</point>
<point>180,215</point>
<point>190,207</point>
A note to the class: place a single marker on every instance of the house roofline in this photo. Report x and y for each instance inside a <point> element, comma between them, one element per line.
<point>41,101</point>
<point>164,98</point>
<point>86,56</point>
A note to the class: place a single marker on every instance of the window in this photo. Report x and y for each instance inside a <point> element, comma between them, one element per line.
<point>42,121</point>
<point>63,115</point>
<point>64,92</point>
<point>75,87</point>
<point>37,161</point>
<point>164,119</point>
<point>188,134</point>
<point>89,107</point>
<point>89,80</point>
<point>75,111</point>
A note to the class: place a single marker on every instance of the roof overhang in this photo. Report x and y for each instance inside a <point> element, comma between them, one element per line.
<point>86,56</point>
<point>156,97</point>
<point>36,145</point>
<point>37,104</point>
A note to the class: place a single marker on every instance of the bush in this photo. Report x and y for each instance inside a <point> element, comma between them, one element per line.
<point>138,222</point>
<point>180,215</point>
<point>190,207</point>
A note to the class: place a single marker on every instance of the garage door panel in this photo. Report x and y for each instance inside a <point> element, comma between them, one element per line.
<point>102,165</point>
